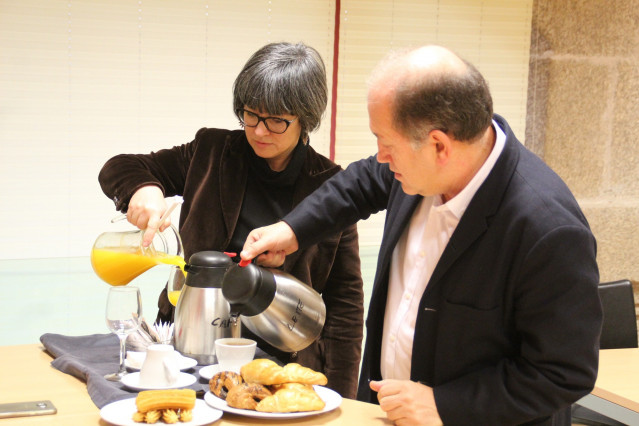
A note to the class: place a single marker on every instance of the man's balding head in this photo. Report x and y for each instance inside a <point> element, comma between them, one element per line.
<point>431,87</point>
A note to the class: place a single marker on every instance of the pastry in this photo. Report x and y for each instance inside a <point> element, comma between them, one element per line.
<point>186,415</point>
<point>262,371</point>
<point>139,417</point>
<point>291,399</point>
<point>176,399</point>
<point>152,416</point>
<point>246,395</point>
<point>299,386</point>
<point>223,381</point>
<point>170,416</point>
<point>295,373</point>
<point>267,372</point>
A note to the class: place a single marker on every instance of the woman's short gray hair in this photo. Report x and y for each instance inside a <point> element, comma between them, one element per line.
<point>284,78</point>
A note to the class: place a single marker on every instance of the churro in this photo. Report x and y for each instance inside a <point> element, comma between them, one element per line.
<point>176,399</point>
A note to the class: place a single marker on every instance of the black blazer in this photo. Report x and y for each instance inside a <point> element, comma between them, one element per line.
<point>508,327</point>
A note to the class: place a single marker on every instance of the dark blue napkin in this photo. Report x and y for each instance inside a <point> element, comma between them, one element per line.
<point>90,358</point>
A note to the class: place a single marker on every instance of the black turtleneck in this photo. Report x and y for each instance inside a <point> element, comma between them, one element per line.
<point>269,194</point>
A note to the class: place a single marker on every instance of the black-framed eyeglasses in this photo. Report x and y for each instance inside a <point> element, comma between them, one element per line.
<point>273,124</point>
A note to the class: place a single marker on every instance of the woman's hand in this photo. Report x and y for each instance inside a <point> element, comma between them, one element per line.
<point>145,210</point>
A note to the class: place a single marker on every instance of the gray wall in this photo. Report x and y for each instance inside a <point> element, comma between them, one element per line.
<point>583,116</point>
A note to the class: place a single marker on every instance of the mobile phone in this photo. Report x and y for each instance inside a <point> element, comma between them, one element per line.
<point>28,408</point>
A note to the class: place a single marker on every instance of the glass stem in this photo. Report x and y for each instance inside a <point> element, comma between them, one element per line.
<point>122,338</point>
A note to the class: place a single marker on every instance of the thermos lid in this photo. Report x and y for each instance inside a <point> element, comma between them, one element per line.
<point>249,289</point>
<point>206,269</point>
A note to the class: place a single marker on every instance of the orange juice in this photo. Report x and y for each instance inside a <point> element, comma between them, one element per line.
<point>174,296</point>
<point>119,267</point>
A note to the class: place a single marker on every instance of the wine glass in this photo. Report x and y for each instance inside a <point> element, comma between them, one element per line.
<point>175,284</point>
<point>123,315</point>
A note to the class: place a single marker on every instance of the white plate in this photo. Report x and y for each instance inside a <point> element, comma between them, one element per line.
<point>121,413</point>
<point>209,371</point>
<point>134,361</point>
<point>132,380</point>
<point>331,398</point>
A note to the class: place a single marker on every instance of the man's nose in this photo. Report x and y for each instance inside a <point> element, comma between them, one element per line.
<point>382,155</point>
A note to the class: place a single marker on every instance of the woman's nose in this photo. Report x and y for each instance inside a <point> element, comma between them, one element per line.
<point>261,129</point>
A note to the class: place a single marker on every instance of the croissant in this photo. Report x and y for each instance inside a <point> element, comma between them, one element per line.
<point>295,373</point>
<point>267,372</point>
<point>289,400</point>
<point>263,371</point>
<point>246,395</point>
<point>299,386</point>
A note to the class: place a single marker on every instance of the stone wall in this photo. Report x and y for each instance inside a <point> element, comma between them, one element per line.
<point>583,117</point>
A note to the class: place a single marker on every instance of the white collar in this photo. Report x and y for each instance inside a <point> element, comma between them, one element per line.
<point>458,204</point>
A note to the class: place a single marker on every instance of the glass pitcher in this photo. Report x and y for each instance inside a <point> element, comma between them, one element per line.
<point>119,257</point>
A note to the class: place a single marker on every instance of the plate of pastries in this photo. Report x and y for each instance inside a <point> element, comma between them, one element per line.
<point>264,389</point>
<point>167,406</point>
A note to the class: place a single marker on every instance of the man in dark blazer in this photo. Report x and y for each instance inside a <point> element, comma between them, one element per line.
<point>499,322</point>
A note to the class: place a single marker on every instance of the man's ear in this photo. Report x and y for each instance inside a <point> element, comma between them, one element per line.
<point>443,145</point>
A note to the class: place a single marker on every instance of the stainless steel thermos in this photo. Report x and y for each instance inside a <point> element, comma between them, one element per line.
<point>202,315</point>
<point>274,305</point>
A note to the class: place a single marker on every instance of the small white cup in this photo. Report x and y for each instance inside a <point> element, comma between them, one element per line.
<point>232,353</point>
<point>160,367</point>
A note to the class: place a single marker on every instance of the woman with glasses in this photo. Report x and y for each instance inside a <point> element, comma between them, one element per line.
<point>234,181</point>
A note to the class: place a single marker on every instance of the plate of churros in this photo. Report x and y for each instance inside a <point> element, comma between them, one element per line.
<point>172,406</point>
<point>263,389</point>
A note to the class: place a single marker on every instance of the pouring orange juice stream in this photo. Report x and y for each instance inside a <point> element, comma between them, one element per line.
<point>120,263</point>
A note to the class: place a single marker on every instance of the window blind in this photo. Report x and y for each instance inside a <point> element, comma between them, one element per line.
<point>82,81</point>
<point>493,34</point>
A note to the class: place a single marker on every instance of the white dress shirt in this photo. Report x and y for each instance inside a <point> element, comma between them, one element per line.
<point>413,262</point>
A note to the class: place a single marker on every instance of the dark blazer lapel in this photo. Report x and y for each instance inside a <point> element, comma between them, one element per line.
<point>469,229</point>
<point>233,176</point>
<point>484,204</point>
<point>311,176</point>
<point>400,209</point>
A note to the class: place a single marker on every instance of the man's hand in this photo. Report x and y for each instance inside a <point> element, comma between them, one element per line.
<point>270,244</point>
<point>145,210</point>
<point>406,402</point>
